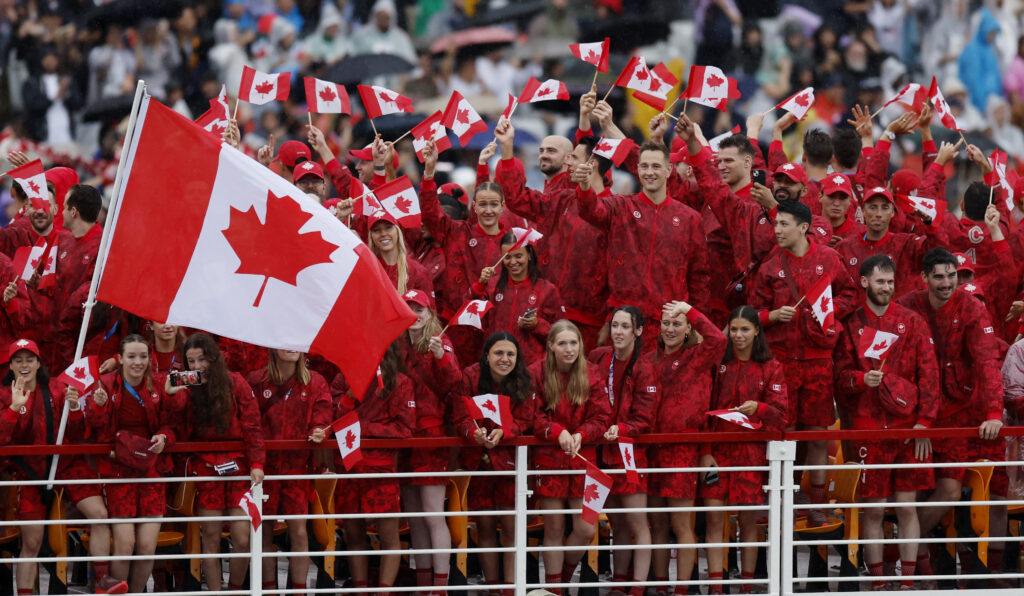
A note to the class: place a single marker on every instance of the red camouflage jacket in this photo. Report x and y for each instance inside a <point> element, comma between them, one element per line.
<point>501,458</point>
<point>29,428</point>
<point>435,380</point>
<point>381,416</point>
<point>244,426</point>
<point>906,250</point>
<point>590,419</point>
<point>515,299</point>
<point>633,400</point>
<point>291,411</point>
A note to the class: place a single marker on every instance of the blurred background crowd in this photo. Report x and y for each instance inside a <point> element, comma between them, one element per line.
<point>70,66</point>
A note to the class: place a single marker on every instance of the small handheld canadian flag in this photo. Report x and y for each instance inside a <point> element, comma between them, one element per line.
<point>628,459</point>
<point>941,107</point>
<point>27,260</point>
<point>347,431</point>
<point>381,101</point>
<point>431,128</point>
<point>493,407</point>
<point>548,90</point>
<point>471,313</point>
<point>649,85</point>
<point>875,343</point>
<point>709,86</point>
<point>595,53</point>
<point>82,374</point>
<point>930,208</point>
<point>359,190</point>
<point>911,98</point>
<point>614,149</point>
<point>325,97</point>
<point>525,237</point>
<point>31,177</point>
<point>820,298</point>
<point>399,198</point>
<point>464,121</point>
<point>510,107</point>
<point>715,142</point>
<point>215,120</point>
<point>997,159</point>
<point>736,417</point>
<point>251,508</point>
<point>799,104</point>
<point>260,88</point>
<point>596,488</point>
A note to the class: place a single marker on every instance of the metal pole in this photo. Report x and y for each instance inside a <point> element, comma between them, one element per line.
<point>522,493</point>
<point>774,526</point>
<point>785,452</point>
<point>256,546</point>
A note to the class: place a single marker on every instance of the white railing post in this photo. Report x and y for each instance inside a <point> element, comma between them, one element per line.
<point>781,455</point>
<point>256,546</point>
<point>522,494</point>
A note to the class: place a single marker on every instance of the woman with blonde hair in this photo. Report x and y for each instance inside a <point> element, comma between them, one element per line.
<point>386,240</point>
<point>572,407</point>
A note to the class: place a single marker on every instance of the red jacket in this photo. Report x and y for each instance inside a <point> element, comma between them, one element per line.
<point>435,380</point>
<point>30,428</point>
<point>417,276</point>
<point>104,422</point>
<point>467,248</point>
<point>906,250</point>
<point>968,358</point>
<point>912,358</point>
<point>590,419</point>
<point>802,338</point>
<point>20,233</point>
<point>291,411</point>
<point>390,415</point>
<point>632,405</point>
<point>515,299</point>
<point>76,261</point>
<point>739,381</point>
<point>572,252</point>
<point>656,253</point>
<point>501,458</point>
<point>244,426</point>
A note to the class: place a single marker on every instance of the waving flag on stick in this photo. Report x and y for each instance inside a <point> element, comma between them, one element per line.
<point>798,104</point>
<point>430,129</point>
<point>28,260</point>
<point>525,237</point>
<point>736,417</point>
<point>471,314</point>
<point>596,488</point>
<point>251,508</point>
<point>215,119</point>
<point>464,121</point>
<point>31,178</point>
<point>709,86</point>
<point>875,343</point>
<point>82,374</point>
<point>399,198</point>
<point>348,433</point>
<point>614,149</point>
<point>941,107</point>
<point>930,208</point>
<point>550,89</point>
<point>628,459</point>
<point>595,53</point>
<point>381,101</point>
<point>493,407</point>
<point>820,297</point>
<point>325,97</point>
<point>911,98</point>
<point>260,88</point>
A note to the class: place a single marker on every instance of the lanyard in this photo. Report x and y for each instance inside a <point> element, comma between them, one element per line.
<point>112,331</point>
<point>611,380</point>
<point>135,394</point>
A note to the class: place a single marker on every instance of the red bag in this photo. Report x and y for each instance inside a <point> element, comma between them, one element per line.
<point>132,451</point>
<point>898,396</point>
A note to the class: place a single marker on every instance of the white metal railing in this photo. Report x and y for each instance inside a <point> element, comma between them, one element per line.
<point>781,539</point>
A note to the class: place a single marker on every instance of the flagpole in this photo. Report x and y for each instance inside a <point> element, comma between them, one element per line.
<point>404,134</point>
<point>991,191</point>
<point>605,98</point>
<point>374,126</point>
<point>594,82</point>
<point>108,226</point>
<point>877,112</point>
<point>235,112</point>
<point>310,114</point>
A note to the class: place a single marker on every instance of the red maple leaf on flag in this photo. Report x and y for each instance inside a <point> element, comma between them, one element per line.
<point>402,204</point>
<point>629,458</point>
<point>544,91</point>
<point>350,439</point>
<point>880,346</point>
<point>264,88</point>
<point>78,372</point>
<point>35,263</point>
<point>591,493</point>
<point>489,404</point>
<point>473,308</point>
<point>715,80</point>
<point>655,84</point>
<point>603,147</point>
<point>327,94</point>
<point>387,97</point>
<point>591,56</point>
<point>216,127</point>
<point>33,186</point>
<point>801,100</point>
<point>824,304</point>
<point>294,252</point>
<point>641,74</point>
<point>462,116</point>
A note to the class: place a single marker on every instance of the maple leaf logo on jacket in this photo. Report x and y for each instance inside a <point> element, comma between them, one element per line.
<point>326,94</point>
<point>293,252</point>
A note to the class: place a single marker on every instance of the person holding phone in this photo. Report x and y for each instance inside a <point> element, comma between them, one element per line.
<point>128,407</point>
<point>525,304</point>
<point>220,407</point>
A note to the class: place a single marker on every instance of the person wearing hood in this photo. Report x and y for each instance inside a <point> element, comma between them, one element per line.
<point>284,54</point>
<point>329,43</point>
<point>1005,134</point>
<point>227,56</point>
<point>382,35</point>
<point>979,64</point>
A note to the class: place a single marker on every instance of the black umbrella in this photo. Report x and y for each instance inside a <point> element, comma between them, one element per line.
<point>109,108</point>
<point>390,127</point>
<point>356,69</point>
<point>130,12</point>
<point>514,11</point>
<point>628,32</point>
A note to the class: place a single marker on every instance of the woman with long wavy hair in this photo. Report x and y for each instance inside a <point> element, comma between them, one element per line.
<point>221,407</point>
<point>500,371</point>
<point>572,407</point>
<point>386,240</point>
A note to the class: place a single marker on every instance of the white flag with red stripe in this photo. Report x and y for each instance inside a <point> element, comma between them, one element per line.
<point>736,417</point>
<point>471,314</point>
<point>550,89</point>
<point>628,454</point>
<point>82,374</point>
<point>215,119</point>
<point>595,53</point>
<point>349,434</point>
<point>464,121</point>
<point>252,257</point>
<point>525,237</point>
<point>248,504</point>
<point>31,177</point>
<point>911,97</point>
<point>614,149</point>
<point>709,86</point>
<point>29,259</point>
<point>930,208</point>
<point>798,104</point>
<point>714,142</point>
<point>596,488</point>
<point>649,85</point>
<point>260,88</point>
<point>381,101</point>
<point>399,198</point>
<point>431,128</point>
<point>493,407</point>
<point>941,107</point>
<point>875,343</point>
<point>819,296</point>
<point>997,159</point>
<point>325,97</point>
<point>510,107</point>
<point>365,197</point>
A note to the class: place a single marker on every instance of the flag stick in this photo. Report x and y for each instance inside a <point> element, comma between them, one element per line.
<point>235,112</point>
<point>991,190</point>
<point>374,127</point>
<point>405,134</point>
<point>882,364</point>
<point>686,102</point>
<point>594,82</point>
<point>877,112</point>
<point>581,457</point>
<point>108,229</point>
<point>672,105</point>
<point>445,328</point>
<point>962,137</point>
<point>676,118</point>
<point>799,301</point>
<point>605,98</point>
<point>310,114</point>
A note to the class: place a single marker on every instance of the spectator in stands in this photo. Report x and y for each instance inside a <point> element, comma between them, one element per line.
<point>382,35</point>
<point>52,97</point>
<point>112,67</point>
<point>979,64</point>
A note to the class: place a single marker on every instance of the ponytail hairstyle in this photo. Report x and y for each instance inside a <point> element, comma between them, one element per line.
<point>213,400</point>
<point>532,269</point>
<point>402,264</point>
<point>517,385</point>
<point>577,390</point>
<point>276,377</point>
<point>135,338</point>
<point>637,319</point>
<point>760,352</point>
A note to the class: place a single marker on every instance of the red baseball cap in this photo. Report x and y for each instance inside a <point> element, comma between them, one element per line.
<point>793,171</point>
<point>975,290</point>
<point>455,191</point>
<point>419,297</point>
<point>307,168</point>
<point>22,344</point>
<point>905,181</point>
<point>836,183</point>
<point>878,191</point>
<point>366,154</point>
<point>381,215</point>
<point>964,262</point>
<point>290,151</point>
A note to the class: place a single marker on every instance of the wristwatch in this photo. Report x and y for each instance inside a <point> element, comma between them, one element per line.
<point>890,135</point>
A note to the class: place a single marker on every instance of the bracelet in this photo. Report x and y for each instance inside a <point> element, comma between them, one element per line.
<point>379,168</point>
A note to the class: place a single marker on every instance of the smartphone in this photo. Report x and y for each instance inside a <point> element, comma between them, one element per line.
<point>759,177</point>
<point>711,478</point>
<point>529,313</point>
<point>185,378</point>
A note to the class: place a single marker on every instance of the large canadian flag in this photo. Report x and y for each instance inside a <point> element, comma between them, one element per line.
<point>430,129</point>
<point>252,257</point>
<point>875,343</point>
<point>348,432</point>
<point>381,101</point>
<point>464,121</point>
<point>215,119</point>
<point>325,97</point>
<point>709,86</point>
<point>260,88</point>
<point>82,374</point>
<point>31,177</point>
<point>596,488</point>
<point>28,258</point>
<point>819,296</point>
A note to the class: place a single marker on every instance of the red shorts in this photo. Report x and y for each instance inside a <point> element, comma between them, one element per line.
<point>622,486</point>
<point>426,460</point>
<point>809,386</point>
<point>368,495</point>
<point>30,503</point>
<point>879,483</point>
<point>561,486</point>
<point>286,497</point>
<point>219,495</point>
<point>142,499</point>
<point>492,493</point>
<point>79,470</point>
<point>610,459</point>
<point>737,488</point>
<point>951,450</point>
<point>676,485</point>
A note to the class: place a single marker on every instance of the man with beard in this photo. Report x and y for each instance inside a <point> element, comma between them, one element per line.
<point>35,226</point>
<point>971,391</point>
<point>866,398</point>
